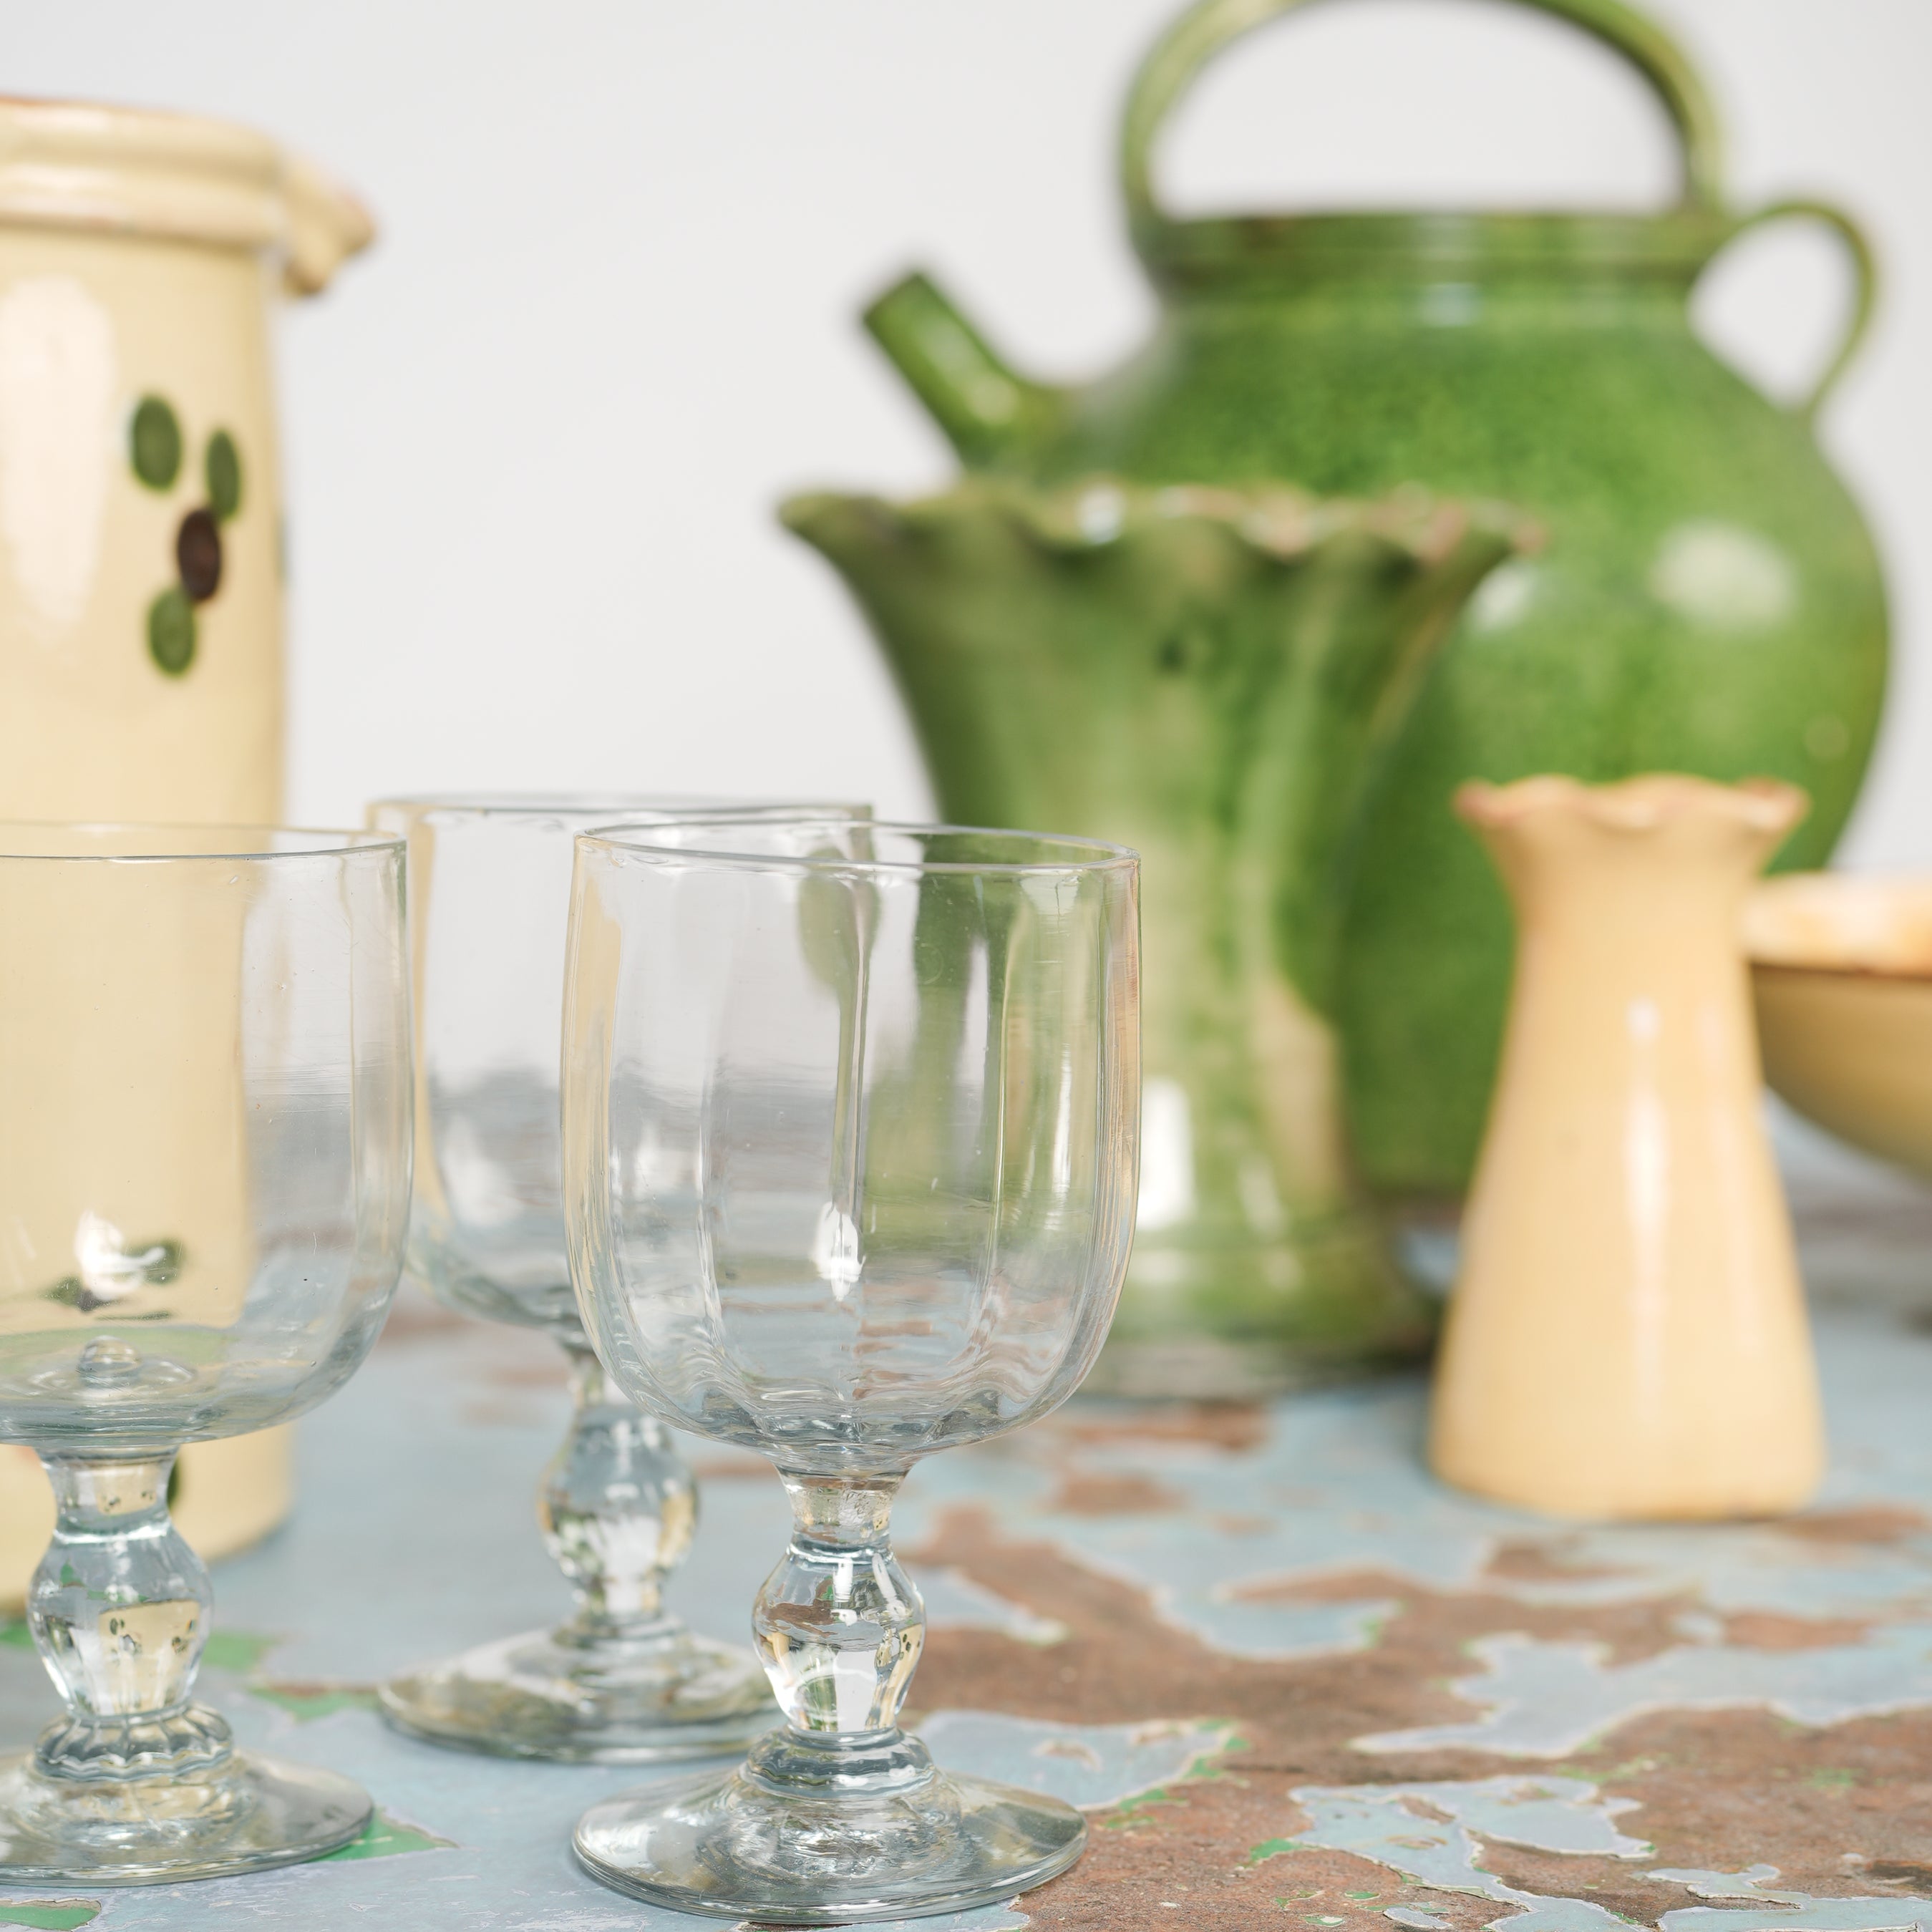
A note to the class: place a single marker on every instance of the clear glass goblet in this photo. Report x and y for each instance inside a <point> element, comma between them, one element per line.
<point>205,1144</point>
<point>622,1681</point>
<point>850,1133</point>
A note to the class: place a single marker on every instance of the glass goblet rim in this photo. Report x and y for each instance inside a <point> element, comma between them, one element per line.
<point>1074,854</point>
<point>135,842</point>
<point>605,807</point>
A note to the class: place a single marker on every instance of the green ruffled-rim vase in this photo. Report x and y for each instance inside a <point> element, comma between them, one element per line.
<point>1212,676</point>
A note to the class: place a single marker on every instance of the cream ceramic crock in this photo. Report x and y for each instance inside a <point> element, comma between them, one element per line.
<point>140,523</point>
<point>141,671</point>
<point>1628,1335</point>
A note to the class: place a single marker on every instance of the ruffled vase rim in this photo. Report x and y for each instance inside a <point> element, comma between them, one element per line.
<point>1099,510</point>
<point>1644,803</point>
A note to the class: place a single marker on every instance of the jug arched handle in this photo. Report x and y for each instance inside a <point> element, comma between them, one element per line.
<point>1865,288</point>
<point>1205,29</point>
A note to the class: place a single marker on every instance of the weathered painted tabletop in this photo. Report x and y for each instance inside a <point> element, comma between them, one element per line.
<point>1290,1677</point>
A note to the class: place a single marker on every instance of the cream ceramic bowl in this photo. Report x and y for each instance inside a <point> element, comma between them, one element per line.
<point>1841,967</point>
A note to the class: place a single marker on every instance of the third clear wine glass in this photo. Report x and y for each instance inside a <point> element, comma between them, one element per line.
<point>850,1128</point>
<point>621,1680</point>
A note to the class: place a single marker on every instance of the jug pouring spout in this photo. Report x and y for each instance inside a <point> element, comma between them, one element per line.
<point>992,416</point>
<point>326,225</point>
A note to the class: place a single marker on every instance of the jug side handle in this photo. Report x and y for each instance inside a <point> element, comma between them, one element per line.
<point>989,414</point>
<point>1865,286</point>
<point>1172,63</point>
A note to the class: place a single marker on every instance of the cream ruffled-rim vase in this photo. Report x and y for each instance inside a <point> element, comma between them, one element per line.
<point>1628,1337</point>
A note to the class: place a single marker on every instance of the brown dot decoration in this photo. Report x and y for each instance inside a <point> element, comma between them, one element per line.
<point>156,447</point>
<point>198,556</point>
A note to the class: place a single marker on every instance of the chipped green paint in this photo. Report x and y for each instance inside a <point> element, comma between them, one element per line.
<point>238,1650</point>
<point>72,1578</point>
<point>1273,1848</point>
<point>49,1914</point>
<point>154,443</point>
<point>1210,1763</point>
<point>221,470</point>
<point>305,1702</point>
<point>387,1837</point>
<point>171,630</point>
<point>1130,1811</point>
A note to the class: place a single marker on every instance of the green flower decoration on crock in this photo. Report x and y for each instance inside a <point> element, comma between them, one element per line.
<point>154,450</point>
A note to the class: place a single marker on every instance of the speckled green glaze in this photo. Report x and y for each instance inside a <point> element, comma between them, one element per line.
<point>1708,599</point>
<point>1211,676</point>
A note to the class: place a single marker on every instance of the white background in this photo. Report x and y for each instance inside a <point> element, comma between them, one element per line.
<point>534,440</point>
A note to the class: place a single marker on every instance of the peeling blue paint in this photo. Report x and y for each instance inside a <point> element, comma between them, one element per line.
<point>1430,1833</point>
<point>1548,1700</point>
<point>1797,1910</point>
<point>1095,1766</point>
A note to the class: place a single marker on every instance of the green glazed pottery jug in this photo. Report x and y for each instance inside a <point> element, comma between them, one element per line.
<point>1209,675</point>
<point>1707,600</point>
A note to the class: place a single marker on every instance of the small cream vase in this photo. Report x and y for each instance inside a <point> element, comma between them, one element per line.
<point>141,540</point>
<point>1628,1337</point>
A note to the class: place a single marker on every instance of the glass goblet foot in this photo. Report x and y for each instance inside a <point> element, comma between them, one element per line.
<point>623,1682</point>
<point>245,1814</point>
<point>828,1830</point>
<point>838,1816</point>
<point>623,1696</point>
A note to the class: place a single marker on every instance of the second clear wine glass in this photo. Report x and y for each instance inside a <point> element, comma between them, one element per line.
<point>850,1123</point>
<point>622,1681</point>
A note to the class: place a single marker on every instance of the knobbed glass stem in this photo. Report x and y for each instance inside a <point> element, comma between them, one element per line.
<point>836,1817</point>
<point>119,1609</point>
<point>622,1681</point>
<point>839,1625</point>
<point>618,1506</point>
